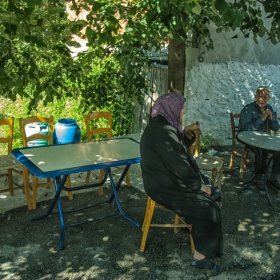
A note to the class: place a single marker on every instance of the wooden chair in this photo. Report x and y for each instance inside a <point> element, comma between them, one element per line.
<point>8,163</point>
<point>207,162</point>
<point>234,130</point>
<point>100,123</point>
<point>234,118</point>
<point>37,136</point>
<point>244,160</point>
<point>151,205</point>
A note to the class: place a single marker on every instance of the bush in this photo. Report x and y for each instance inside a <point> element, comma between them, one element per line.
<point>65,108</point>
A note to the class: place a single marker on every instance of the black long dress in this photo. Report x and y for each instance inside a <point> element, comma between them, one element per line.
<point>172,179</point>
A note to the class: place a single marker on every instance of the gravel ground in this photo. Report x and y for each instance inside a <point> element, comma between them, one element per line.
<point>109,249</point>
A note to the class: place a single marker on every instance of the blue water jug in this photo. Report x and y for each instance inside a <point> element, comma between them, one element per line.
<point>66,131</point>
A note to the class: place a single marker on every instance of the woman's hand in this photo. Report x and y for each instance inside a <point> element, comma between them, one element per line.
<point>206,189</point>
<point>189,129</point>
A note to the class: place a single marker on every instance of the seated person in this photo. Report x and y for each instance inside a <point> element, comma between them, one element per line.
<point>172,178</point>
<point>260,116</point>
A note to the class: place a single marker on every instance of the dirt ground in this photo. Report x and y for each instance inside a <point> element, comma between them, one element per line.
<point>109,249</point>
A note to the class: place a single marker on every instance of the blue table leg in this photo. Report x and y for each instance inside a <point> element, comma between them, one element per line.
<point>58,184</point>
<point>115,194</point>
<point>58,187</point>
<point>58,190</point>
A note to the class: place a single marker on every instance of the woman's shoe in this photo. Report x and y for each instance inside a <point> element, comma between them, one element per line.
<point>206,264</point>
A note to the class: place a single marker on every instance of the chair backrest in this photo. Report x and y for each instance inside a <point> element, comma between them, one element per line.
<point>234,118</point>
<point>6,137</point>
<point>196,145</point>
<point>95,125</point>
<point>36,135</point>
<point>235,127</point>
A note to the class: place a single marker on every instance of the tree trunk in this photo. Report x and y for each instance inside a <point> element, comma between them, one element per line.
<point>176,66</point>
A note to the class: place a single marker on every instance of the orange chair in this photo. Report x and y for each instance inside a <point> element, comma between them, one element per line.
<point>39,136</point>
<point>100,124</point>
<point>8,163</point>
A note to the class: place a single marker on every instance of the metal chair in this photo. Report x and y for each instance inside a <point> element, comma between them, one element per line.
<point>151,205</point>
<point>37,136</point>
<point>99,124</point>
<point>8,163</point>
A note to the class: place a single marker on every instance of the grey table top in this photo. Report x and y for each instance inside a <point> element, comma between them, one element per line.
<point>263,140</point>
<point>84,156</point>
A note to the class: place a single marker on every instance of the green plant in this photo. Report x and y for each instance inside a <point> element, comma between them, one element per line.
<point>205,142</point>
<point>67,108</point>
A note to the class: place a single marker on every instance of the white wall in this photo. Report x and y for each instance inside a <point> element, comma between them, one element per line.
<point>226,80</point>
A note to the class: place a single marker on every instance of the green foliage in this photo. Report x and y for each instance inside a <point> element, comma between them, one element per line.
<point>65,108</point>
<point>33,44</point>
<point>35,35</point>
<point>205,142</point>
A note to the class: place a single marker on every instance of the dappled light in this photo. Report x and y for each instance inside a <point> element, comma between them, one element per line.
<point>110,249</point>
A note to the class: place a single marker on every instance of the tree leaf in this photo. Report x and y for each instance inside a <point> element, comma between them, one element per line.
<point>222,6</point>
<point>188,7</point>
<point>237,20</point>
<point>229,15</point>
<point>196,9</point>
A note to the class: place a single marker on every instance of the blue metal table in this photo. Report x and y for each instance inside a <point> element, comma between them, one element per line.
<point>59,161</point>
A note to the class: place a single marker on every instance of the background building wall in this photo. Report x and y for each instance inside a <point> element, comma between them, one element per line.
<point>227,79</point>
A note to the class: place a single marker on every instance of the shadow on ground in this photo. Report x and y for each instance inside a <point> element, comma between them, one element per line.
<point>109,249</point>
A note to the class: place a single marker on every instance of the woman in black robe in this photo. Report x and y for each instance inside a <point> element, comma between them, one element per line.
<point>172,178</point>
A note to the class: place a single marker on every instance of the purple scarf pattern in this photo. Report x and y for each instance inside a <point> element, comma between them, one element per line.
<point>169,106</point>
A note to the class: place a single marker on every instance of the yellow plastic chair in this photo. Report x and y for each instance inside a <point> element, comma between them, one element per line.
<point>151,205</point>
<point>8,163</point>
<point>39,136</point>
<point>100,123</point>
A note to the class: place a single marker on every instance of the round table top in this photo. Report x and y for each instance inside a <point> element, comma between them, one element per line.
<point>263,140</point>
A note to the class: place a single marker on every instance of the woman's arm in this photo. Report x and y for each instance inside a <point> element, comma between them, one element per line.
<point>190,132</point>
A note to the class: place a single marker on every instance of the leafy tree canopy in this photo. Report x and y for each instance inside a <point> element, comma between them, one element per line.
<point>34,35</point>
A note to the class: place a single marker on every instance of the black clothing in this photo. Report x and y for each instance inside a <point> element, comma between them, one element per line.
<point>172,179</point>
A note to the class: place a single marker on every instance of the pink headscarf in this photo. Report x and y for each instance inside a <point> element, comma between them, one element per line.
<point>169,106</point>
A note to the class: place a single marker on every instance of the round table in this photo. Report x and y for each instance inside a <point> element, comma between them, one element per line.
<point>263,140</point>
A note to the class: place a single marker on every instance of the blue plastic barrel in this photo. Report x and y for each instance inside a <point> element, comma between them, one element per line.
<point>66,131</point>
<point>34,128</point>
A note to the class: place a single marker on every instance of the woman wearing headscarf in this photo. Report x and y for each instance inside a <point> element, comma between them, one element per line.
<point>172,178</point>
